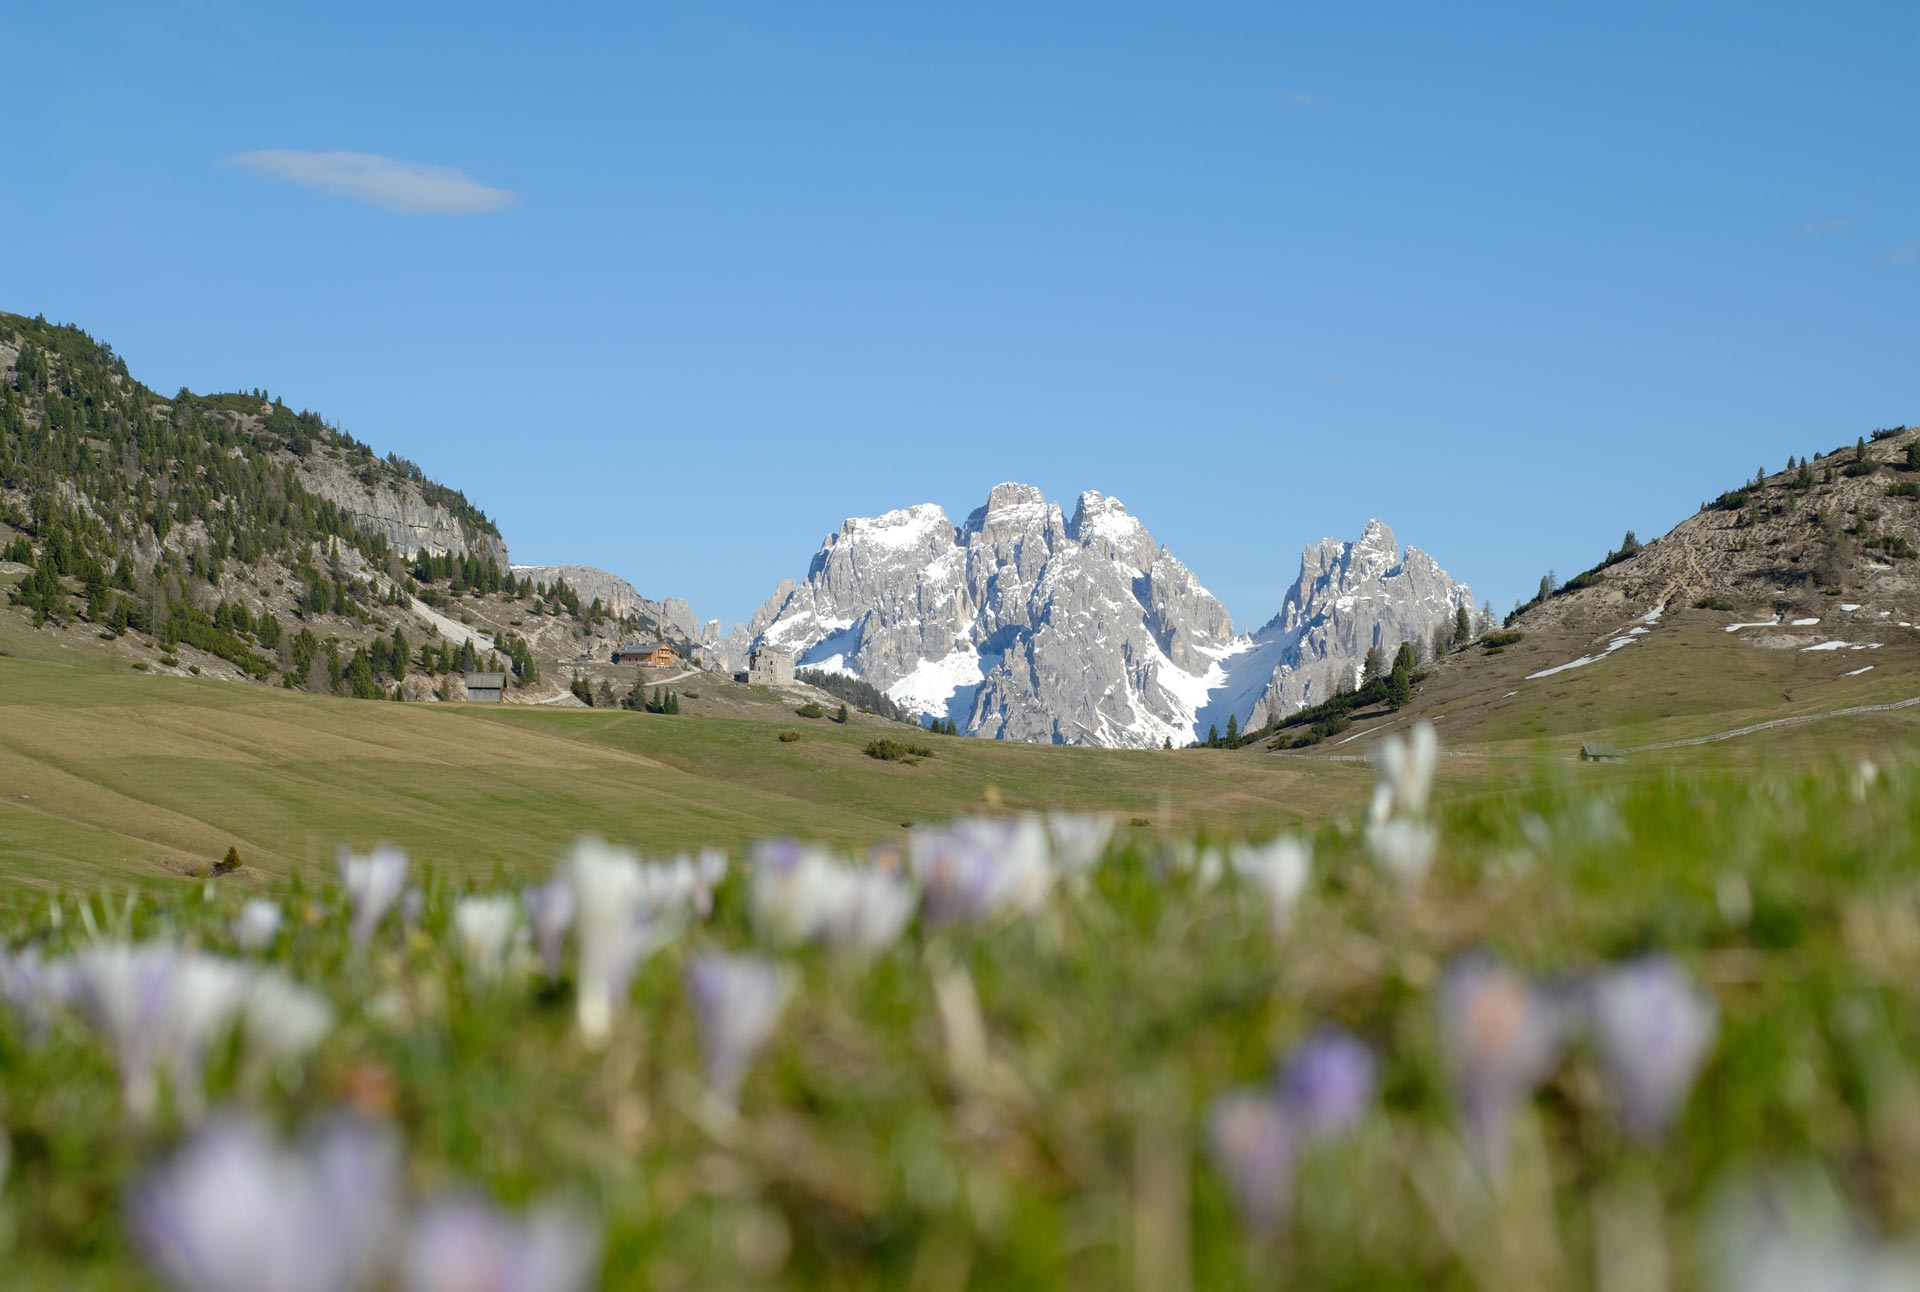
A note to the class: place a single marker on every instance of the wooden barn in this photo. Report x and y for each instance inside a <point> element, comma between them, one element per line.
<point>647,655</point>
<point>486,688</point>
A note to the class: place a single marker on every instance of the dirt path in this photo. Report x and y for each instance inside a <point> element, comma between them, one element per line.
<point>1794,721</point>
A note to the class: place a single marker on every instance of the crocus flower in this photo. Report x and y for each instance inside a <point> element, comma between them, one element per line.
<point>550,912</point>
<point>283,1021</point>
<point>372,882</point>
<point>1406,768</point>
<point>979,867</point>
<point>466,1244</point>
<point>1079,839</point>
<point>616,926</point>
<point>30,989</point>
<point>1255,1144</point>
<point>1279,870</point>
<point>1652,1031</point>
<point>736,1001</point>
<point>233,1211</point>
<point>154,1007</point>
<point>257,924</point>
<point>802,895</point>
<point>485,927</point>
<point>1791,1232</point>
<point>1404,849</point>
<point>1502,1038</point>
<point>1328,1083</point>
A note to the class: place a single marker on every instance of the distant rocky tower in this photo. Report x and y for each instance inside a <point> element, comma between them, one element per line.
<point>1024,624</point>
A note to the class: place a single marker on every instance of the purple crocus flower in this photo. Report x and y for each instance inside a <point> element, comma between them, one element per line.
<point>467,1244</point>
<point>373,882</point>
<point>736,1001</point>
<point>550,913</point>
<point>1502,1038</point>
<point>1652,1031</point>
<point>977,867</point>
<point>1329,1083</point>
<point>234,1211</point>
<point>1256,1145</point>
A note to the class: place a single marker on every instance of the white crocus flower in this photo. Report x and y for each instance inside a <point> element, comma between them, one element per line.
<point>258,923</point>
<point>616,926</point>
<point>485,927</point>
<point>1280,870</point>
<point>373,882</point>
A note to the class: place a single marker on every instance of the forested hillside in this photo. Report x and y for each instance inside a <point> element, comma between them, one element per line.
<point>244,538</point>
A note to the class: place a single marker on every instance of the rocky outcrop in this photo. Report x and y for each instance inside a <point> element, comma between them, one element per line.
<point>673,616</point>
<point>397,510</point>
<point>1023,624</point>
<point>1348,599</point>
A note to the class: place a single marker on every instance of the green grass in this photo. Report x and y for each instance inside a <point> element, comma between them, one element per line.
<point>1113,1018</point>
<point>112,775</point>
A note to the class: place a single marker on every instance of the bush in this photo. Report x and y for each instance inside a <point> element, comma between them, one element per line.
<point>229,863</point>
<point>1713,603</point>
<point>811,710</point>
<point>1503,639</point>
<point>788,737</point>
<point>897,751</point>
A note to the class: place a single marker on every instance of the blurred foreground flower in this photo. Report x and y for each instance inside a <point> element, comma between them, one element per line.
<point>550,912</point>
<point>1280,869</point>
<point>975,868</point>
<point>1256,1136</point>
<point>736,1001</point>
<point>1652,1031</point>
<point>1402,841</point>
<point>617,924</point>
<point>1255,1144</point>
<point>258,923</point>
<point>153,1007</point>
<point>1329,1083</point>
<point>283,1020</point>
<point>467,1244</point>
<point>485,927</point>
<point>1405,767</point>
<point>233,1211</point>
<point>373,882</point>
<point>1502,1038</point>
<point>805,895</point>
<point>1792,1233</point>
<point>1078,839</point>
<point>1403,849</point>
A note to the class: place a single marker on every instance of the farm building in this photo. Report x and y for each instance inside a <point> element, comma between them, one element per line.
<point>647,654</point>
<point>486,688</point>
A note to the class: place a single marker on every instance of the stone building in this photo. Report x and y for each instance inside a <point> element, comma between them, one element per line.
<point>769,667</point>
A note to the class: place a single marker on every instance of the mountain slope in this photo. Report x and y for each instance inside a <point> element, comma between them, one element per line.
<point>1023,624</point>
<point>1793,595</point>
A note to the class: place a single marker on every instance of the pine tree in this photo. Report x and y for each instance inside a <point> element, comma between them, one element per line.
<point>1399,688</point>
<point>1213,737</point>
<point>842,716</point>
<point>1403,658</point>
<point>1370,668</point>
<point>1233,729</point>
<point>1167,744</point>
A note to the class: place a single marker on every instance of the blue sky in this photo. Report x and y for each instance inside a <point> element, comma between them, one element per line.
<point>673,288</point>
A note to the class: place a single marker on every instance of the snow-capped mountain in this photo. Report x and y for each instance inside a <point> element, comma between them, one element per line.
<point>1023,624</point>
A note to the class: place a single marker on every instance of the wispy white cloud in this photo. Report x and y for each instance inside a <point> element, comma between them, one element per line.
<point>403,187</point>
<point>1300,98</point>
<point>1821,228</point>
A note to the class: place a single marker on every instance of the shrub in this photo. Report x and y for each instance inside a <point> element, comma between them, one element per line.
<point>1713,603</point>
<point>1141,821</point>
<point>229,863</point>
<point>1503,639</point>
<point>897,751</point>
<point>788,737</point>
<point>811,710</point>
